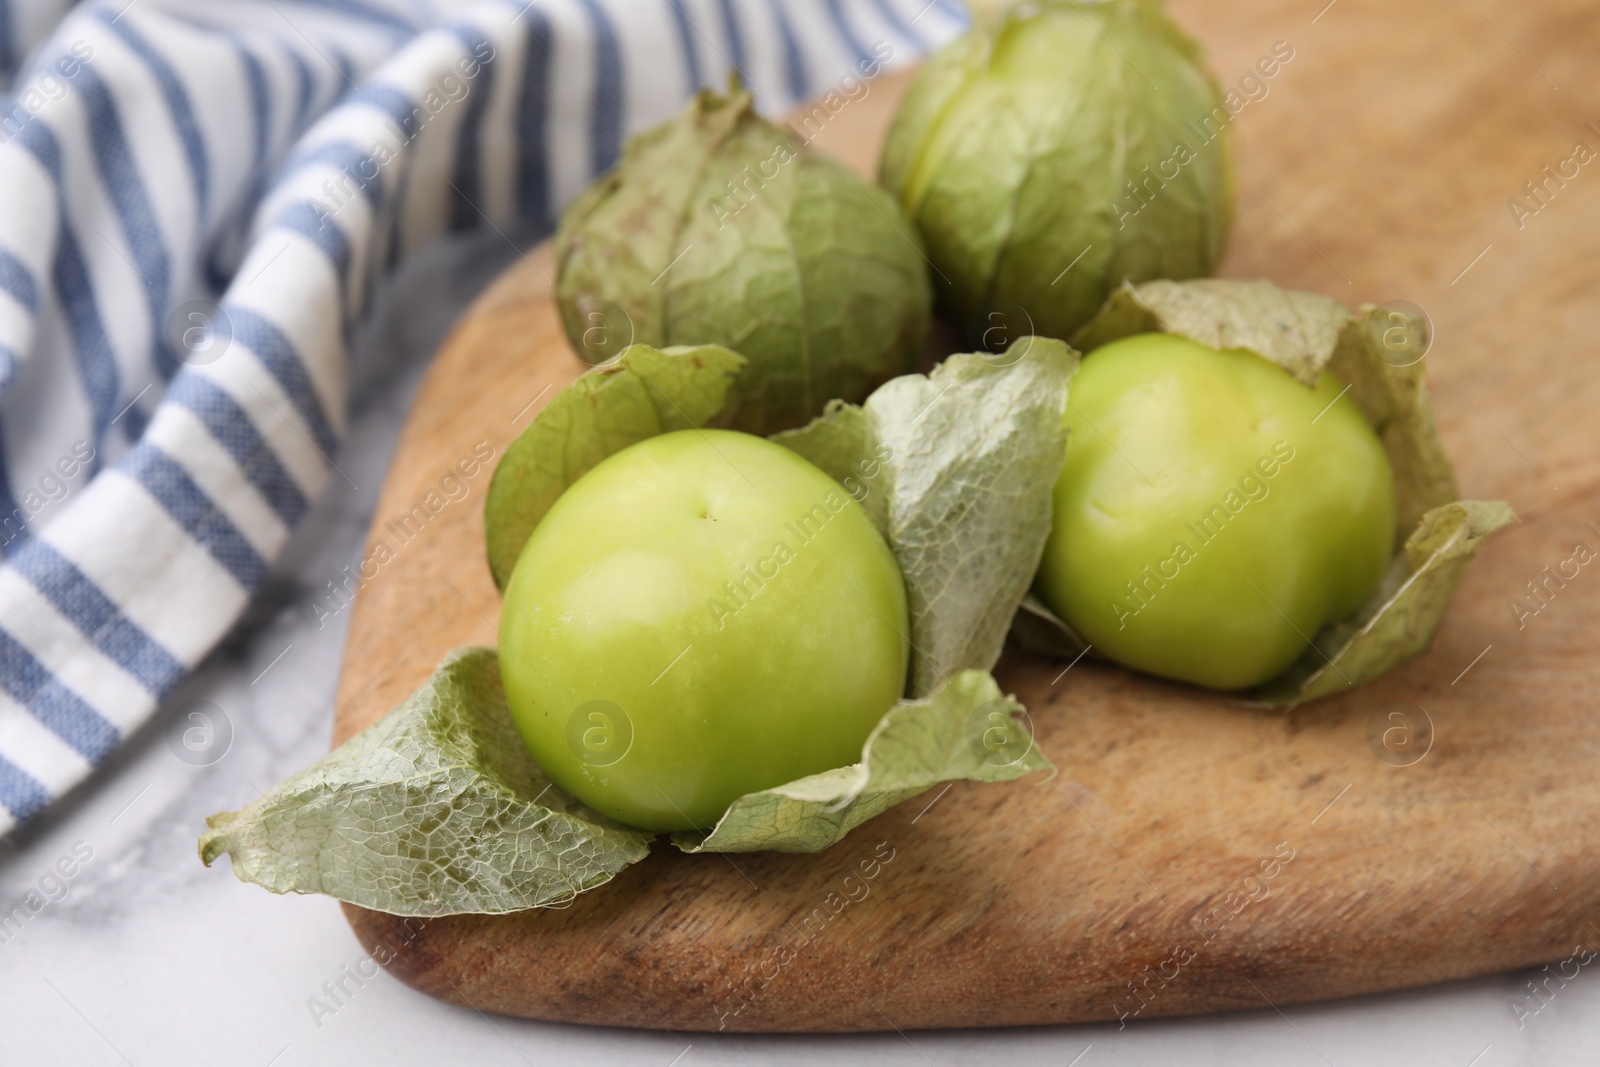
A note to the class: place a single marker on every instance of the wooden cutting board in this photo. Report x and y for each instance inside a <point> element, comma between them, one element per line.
<point>1440,821</point>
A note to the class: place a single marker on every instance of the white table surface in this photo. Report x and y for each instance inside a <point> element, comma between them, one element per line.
<point>151,959</point>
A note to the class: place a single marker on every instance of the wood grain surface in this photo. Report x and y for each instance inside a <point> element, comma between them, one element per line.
<point>1377,166</point>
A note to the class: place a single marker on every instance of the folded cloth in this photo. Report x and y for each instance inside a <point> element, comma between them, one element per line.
<point>198,200</point>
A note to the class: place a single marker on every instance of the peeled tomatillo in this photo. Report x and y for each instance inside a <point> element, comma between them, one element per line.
<point>1212,513</point>
<point>702,615</point>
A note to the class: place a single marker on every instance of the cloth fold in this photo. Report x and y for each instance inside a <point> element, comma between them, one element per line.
<point>198,201</point>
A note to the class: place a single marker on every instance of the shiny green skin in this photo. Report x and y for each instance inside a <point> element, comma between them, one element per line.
<point>1014,150</point>
<point>615,598</point>
<point>1282,494</point>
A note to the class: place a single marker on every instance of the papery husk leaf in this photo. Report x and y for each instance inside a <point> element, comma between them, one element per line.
<point>966,730</point>
<point>435,809</point>
<point>962,463</point>
<point>1399,620</point>
<point>643,392</point>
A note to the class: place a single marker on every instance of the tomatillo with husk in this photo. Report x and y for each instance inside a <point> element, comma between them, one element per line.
<point>720,227</point>
<point>702,615</point>
<point>1055,150</point>
<point>1213,512</point>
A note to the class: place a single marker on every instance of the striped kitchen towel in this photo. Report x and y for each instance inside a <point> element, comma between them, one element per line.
<point>198,199</point>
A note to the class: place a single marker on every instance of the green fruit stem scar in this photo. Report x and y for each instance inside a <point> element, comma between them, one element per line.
<point>702,615</point>
<point>1213,513</point>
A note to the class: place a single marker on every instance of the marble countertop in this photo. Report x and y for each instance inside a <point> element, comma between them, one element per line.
<point>143,957</point>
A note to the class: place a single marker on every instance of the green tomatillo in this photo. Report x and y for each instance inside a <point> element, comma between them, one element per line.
<point>719,227</point>
<point>1213,512</point>
<point>702,615</point>
<point>1055,150</point>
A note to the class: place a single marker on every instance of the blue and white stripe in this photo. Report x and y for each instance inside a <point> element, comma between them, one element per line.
<point>168,151</point>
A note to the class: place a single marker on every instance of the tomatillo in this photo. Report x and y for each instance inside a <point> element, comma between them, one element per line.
<point>1212,512</point>
<point>702,615</point>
